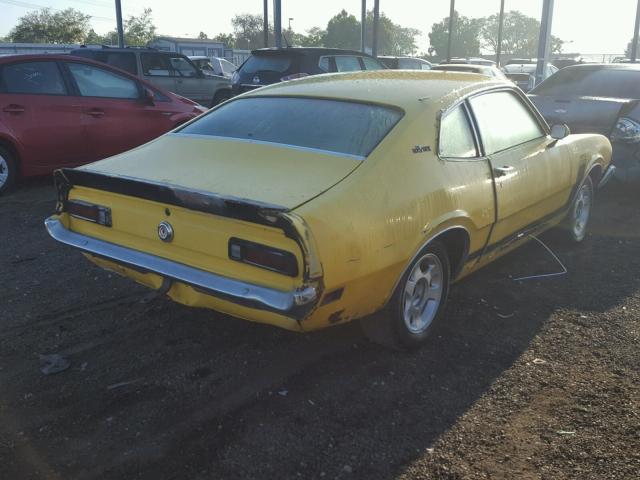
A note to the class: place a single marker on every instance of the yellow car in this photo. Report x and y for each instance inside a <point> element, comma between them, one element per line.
<point>318,201</point>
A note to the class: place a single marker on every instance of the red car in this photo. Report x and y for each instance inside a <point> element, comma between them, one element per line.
<point>60,111</point>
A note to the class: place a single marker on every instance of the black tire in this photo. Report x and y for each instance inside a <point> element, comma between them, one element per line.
<point>579,214</point>
<point>8,170</point>
<point>219,97</point>
<point>398,326</point>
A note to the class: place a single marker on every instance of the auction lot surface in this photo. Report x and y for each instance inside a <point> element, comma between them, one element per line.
<point>533,380</point>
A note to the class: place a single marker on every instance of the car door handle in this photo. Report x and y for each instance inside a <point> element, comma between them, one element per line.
<point>13,108</point>
<point>96,113</point>
<point>504,170</point>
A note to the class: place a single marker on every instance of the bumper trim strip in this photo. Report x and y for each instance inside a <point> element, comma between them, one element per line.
<point>287,303</point>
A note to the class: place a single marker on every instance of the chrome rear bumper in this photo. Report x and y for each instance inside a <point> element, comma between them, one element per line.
<point>290,303</point>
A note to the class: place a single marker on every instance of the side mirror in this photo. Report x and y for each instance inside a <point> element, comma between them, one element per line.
<point>560,131</point>
<point>148,96</point>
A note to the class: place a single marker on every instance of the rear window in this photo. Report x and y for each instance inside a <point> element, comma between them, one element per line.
<point>329,125</point>
<point>267,63</point>
<point>582,82</point>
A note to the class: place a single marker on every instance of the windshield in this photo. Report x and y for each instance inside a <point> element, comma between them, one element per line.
<point>272,63</point>
<point>330,125</point>
<point>590,82</point>
<point>525,68</point>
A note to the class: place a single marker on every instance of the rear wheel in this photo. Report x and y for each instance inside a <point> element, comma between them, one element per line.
<point>416,305</point>
<point>580,213</point>
<point>219,97</point>
<point>8,169</point>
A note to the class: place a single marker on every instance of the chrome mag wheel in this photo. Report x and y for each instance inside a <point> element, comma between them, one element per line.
<point>4,171</point>
<point>582,211</point>
<point>422,295</point>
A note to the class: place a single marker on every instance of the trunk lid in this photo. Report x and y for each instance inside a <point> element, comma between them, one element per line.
<point>258,172</point>
<point>583,114</point>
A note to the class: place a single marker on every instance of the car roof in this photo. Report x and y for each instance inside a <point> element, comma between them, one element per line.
<point>406,89</point>
<point>73,58</point>
<point>309,50</point>
<point>468,66</point>
<point>605,66</point>
<point>124,50</point>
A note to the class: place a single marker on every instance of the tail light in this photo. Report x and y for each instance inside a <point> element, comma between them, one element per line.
<point>89,211</point>
<point>263,256</point>
<point>293,76</point>
<point>626,130</point>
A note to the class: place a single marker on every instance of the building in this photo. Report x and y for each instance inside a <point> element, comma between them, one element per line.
<point>190,46</point>
<point>35,48</point>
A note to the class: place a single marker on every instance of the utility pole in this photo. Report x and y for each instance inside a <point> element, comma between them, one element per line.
<point>376,20</point>
<point>119,24</point>
<point>544,39</point>
<point>634,46</point>
<point>265,23</point>
<point>500,27</point>
<point>277,22</point>
<point>363,22</point>
<point>452,13</point>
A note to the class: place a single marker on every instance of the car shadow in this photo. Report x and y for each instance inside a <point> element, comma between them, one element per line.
<point>173,392</point>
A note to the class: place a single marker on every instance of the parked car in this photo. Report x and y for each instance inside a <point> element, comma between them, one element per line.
<point>316,202</point>
<point>488,71</point>
<point>405,63</point>
<point>603,99</point>
<point>214,65</point>
<point>472,61</point>
<point>58,110</point>
<point>524,74</point>
<point>168,70</point>
<point>272,65</point>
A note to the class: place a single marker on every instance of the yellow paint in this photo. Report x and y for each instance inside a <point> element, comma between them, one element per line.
<point>373,218</point>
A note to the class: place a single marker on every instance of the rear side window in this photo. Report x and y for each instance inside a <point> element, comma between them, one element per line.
<point>97,82</point>
<point>329,125</point>
<point>504,121</point>
<point>346,63</point>
<point>156,65</point>
<point>456,137</point>
<point>587,82</point>
<point>269,63</point>
<point>27,78</point>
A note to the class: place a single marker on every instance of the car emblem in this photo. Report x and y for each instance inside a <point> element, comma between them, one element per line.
<point>165,231</point>
<point>256,79</point>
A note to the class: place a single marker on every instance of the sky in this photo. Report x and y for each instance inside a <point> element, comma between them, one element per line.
<point>588,29</point>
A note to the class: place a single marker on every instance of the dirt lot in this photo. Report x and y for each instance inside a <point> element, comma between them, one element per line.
<point>527,380</point>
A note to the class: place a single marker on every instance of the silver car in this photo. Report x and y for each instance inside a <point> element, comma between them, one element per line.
<point>169,70</point>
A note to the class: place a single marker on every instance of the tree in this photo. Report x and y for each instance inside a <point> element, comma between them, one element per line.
<point>227,38</point>
<point>343,31</point>
<point>519,36</point>
<point>465,41</point>
<point>202,36</point>
<point>393,39</point>
<point>248,31</point>
<point>139,30</point>
<point>45,26</point>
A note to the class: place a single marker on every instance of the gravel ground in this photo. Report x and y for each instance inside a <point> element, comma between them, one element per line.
<point>527,380</point>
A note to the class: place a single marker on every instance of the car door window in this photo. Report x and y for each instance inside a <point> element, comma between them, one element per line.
<point>504,121</point>
<point>347,63</point>
<point>183,67</point>
<point>43,78</point>
<point>456,136</point>
<point>97,82</point>
<point>371,64</point>
<point>323,64</point>
<point>156,65</point>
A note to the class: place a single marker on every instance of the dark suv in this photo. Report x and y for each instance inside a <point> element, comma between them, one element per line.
<point>272,65</point>
<point>169,70</point>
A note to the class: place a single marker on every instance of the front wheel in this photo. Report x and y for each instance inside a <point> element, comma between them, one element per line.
<point>580,213</point>
<point>8,171</point>
<point>417,303</point>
